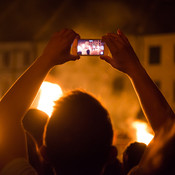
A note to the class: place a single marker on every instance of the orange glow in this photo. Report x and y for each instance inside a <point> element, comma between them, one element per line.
<point>142,134</point>
<point>49,93</point>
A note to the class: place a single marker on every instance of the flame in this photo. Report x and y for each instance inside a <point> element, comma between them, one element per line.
<point>142,134</point>
<point>49,92</point>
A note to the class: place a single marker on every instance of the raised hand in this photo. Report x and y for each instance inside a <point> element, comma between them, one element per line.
<point>58,48</point>
<point>123,56</point>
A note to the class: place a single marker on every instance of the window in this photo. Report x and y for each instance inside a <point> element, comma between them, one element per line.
<point>26,59</point>
<point>154,55</point>
<point>6,59</point>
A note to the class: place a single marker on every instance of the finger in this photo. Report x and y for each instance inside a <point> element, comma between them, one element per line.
<point>74,57</point>
<point>64,31</point>
<point>106,58</point>
<point>61,32</point>
<point>71,36</point>
<point>114,39</point>
<point>74,46</point>
<point>70,32</point>
<point>78,37</point>
<point>110,43</point>
<point>121,34</point>
<point>120,40</point>
<point>113,35</point>
<point>113,44</point>
<point>125,39</point>
<point>117,36</point>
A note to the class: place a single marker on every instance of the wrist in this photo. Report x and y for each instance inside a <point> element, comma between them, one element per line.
<point>136,71</point>
<point>44,63</point>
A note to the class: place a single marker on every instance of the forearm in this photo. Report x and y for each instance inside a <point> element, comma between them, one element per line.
<point>20,96</point>
<point>153,103</point>
<point>18,99</point>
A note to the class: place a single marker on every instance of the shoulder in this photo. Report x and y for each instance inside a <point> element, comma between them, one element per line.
<point>19,166</point>
<point>136,171</point>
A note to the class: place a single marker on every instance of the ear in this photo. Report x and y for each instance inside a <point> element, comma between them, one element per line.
<point>43,152</point>
<point>112,155</point>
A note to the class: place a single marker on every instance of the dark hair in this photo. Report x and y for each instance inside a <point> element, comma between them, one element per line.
<point>132,155</point>
<point>79,133</point>
<point>34,122</point>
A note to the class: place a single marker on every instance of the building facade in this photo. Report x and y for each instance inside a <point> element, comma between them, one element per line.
<point>15,57</point>
<point>159,61</point>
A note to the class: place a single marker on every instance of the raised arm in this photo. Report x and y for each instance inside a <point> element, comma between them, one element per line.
<point>20,96</point>
<point>153,103</point>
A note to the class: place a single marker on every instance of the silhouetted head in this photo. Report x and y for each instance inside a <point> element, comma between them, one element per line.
<point>114,166</point>
<point>34,122</point>
<point>79,134</point>
<point>132,155</point>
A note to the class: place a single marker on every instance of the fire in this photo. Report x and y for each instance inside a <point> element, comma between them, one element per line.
<point>142,133</point>
<point>49,93</point>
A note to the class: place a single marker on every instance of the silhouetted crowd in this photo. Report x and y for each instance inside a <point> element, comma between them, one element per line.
<point>77,138</point>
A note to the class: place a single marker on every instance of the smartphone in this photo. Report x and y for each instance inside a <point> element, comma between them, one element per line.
<point>90,47</point>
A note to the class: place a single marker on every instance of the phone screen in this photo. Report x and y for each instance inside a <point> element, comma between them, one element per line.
<point>90,47</point>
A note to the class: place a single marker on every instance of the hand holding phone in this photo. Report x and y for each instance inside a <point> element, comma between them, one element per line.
<point>89,47</point>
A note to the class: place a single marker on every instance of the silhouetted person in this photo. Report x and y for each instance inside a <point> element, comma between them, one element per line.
<point>158,158</point>
<point>114,167</point>
<point>153,103</point>
<point>34,122</point>
<point>78,136</point>
<point>88,52</point>
<point>132,155</point>
<point>97,143</point>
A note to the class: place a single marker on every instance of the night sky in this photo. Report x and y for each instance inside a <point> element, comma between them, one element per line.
<point>38,19</point>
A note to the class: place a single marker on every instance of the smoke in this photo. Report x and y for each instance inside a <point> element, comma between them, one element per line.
<point>26,20</point>
<point>108,16</point>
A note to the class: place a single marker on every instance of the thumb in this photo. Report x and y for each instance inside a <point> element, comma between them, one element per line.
<point>106,58</point>
<point>74,57</point>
